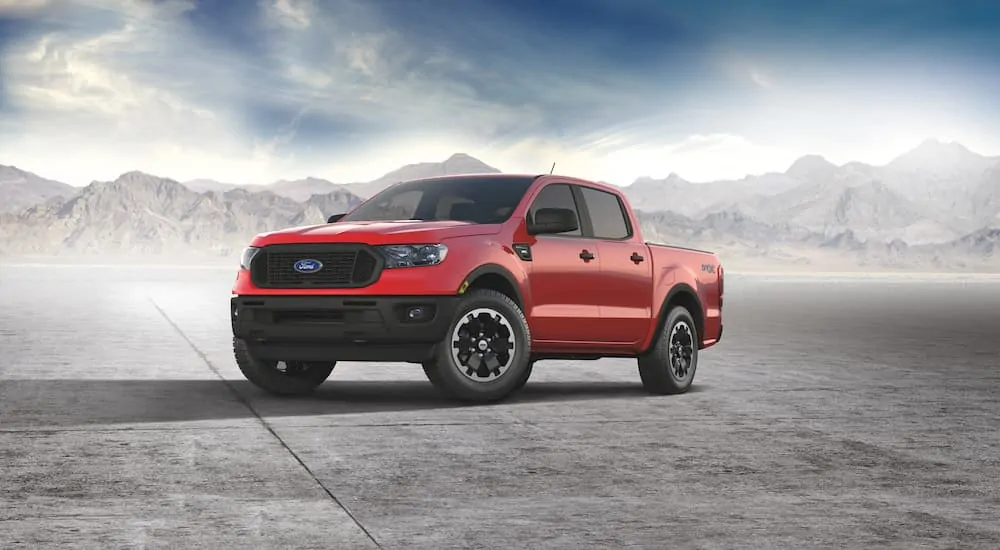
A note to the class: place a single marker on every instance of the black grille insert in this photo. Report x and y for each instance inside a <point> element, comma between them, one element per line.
<point>343,266</point>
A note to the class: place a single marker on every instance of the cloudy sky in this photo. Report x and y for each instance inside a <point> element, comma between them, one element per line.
<point>250,92</point>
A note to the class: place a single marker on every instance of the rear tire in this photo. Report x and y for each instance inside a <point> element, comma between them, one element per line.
<point>669,366</point>
<point>525,376</point>
<point>486,352</point>
<point>296,377</point>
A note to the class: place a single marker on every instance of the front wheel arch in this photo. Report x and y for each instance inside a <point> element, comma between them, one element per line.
<point>494,277</point>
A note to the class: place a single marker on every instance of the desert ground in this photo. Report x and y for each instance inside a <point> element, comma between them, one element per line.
<point>837,412</point>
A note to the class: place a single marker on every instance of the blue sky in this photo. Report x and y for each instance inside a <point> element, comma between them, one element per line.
<point>346,90</point>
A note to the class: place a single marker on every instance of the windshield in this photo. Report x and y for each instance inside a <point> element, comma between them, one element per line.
<point>470,199</point>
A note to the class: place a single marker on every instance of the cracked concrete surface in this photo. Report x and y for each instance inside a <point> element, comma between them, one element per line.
<point>852,414</point>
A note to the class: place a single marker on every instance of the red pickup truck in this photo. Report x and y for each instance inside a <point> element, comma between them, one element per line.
<point>475,277</point>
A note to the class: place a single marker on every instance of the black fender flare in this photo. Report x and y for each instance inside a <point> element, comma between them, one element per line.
<point>493,269</point>
<point>681,288</point>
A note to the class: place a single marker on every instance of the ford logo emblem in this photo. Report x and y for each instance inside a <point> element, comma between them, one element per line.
<point>307,266</point>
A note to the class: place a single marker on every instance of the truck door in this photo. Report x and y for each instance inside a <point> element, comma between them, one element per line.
<point>565,278</point>
<point>626,305</point>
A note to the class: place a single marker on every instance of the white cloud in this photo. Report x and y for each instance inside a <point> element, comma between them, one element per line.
<point>71,78</point>
<point>759,79</point>
<point>295,14</point>
<point>744,68</point>
<point>365,55</point>
<point>309,78</point>
<point>19,8</point>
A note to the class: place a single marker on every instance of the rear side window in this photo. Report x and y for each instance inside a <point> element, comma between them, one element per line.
<point>558,195</point>
<point>607,214</point>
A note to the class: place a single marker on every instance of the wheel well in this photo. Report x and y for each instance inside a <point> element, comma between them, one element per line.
<point>690,302</point>
<point>499,283</point>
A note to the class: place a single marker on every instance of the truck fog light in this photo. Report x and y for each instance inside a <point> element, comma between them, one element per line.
<point>416,313</point>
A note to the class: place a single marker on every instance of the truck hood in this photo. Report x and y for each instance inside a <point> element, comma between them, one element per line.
<point>376,233</point>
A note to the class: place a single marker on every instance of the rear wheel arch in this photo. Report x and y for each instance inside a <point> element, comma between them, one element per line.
<point>681,294</point>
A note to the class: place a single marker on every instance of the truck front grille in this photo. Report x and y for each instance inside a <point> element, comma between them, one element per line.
<point>343,266</point>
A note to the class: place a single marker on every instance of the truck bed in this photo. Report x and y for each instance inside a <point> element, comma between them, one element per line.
<point>676,247</point>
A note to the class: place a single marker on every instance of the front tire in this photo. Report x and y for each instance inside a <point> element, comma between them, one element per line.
<point>281,377</point>
<point>431,372</point>
<point>486,352</point>
<point>669,366</point>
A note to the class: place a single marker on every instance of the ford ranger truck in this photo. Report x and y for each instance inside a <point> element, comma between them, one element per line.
<point>476,278</point>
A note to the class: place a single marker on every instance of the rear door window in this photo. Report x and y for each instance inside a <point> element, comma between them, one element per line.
<point>607,214</point>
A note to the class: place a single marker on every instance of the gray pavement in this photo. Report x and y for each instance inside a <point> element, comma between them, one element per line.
<point>834,414</point>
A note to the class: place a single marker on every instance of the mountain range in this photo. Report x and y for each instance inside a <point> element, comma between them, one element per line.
<point>935,207</point>
<point>301,190</point>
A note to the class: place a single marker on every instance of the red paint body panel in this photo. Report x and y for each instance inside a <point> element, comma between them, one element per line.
<point>565,291</point>
<point>673,267</point>
<point>627,311</point>
<point>606,306</point>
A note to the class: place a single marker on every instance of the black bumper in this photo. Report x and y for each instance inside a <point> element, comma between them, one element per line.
<point>342,328</point>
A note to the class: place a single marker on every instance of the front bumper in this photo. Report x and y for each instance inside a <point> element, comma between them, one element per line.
<point>342,328</point>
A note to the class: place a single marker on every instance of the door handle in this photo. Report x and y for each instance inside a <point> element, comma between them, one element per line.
<point>586,256</point>
<point>636,257</point>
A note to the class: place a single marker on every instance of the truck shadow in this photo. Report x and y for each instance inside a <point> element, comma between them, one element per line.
<point>64,403</point>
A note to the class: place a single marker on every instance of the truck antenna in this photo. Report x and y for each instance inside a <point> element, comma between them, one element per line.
<point>553,168</point>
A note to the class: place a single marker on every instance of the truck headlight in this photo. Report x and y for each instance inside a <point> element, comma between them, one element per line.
<point>413,255</point>
<point>247,256</point>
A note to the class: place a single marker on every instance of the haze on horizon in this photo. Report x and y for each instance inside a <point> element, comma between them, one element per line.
<point>252,92</point>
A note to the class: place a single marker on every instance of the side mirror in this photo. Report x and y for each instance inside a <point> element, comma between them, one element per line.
<point>335,218</point>
<point>549,221</point>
